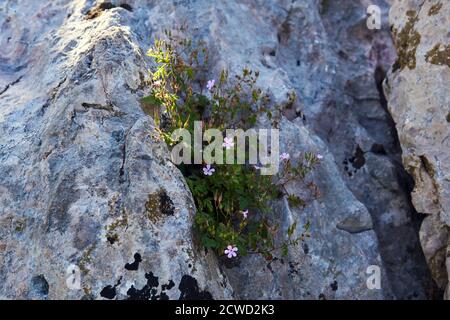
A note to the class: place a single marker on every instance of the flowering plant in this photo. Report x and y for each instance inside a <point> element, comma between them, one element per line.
<point>232,200</point>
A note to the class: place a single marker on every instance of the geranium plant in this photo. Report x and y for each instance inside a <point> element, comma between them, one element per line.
<point>232,200</point>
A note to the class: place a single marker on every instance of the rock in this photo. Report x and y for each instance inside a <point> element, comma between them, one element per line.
<point>336,66</point>
<point>330,255</point>
<point>356,224</point>
<point>419,103</point>
<point>85,184</point>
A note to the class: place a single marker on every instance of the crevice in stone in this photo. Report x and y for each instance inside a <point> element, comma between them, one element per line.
<point>406,183</point>
<point>52,97</point>
<point>9,85</point>
<point>122,167</point>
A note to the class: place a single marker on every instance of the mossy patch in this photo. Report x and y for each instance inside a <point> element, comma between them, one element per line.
<point>295,201</point>
<point>122,221</point>
<point>406,42</point>
<point>158,205</point>
<point>85,260</point>
<point>20,225</point>
<point>119,222</point>
<point>439,55</point>
<point>435,9</point>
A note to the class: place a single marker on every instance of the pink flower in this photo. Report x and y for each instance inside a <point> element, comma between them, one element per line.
<point>208,170</point>
<point>230,251</point>
<point>228,144</point>
<point>285,156</point>
<point>245,213</point>
<point>210,84</point>
<point>319,156</point>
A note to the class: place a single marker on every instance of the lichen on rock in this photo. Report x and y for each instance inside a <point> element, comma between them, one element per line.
<point>418,101</point>
<point>406,41</point>
<point>439,55</point>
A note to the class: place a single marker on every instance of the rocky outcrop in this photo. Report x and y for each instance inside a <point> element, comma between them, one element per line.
<point>84,182</point>
<point>420,105</point>
<point>85,187</point>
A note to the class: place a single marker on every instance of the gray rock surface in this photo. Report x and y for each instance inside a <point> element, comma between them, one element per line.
<point>84,182</point>
<point>419,102</point>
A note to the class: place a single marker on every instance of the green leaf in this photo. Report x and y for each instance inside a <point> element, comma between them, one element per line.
<point>291,229</point>
<point>284,250</point>
<point>294,201</point>
<point>209,243</point>
<point>151,100</point>
<point>190,73</point>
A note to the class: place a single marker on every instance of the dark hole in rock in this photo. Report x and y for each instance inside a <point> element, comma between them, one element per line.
<point>39,285</point>
<point>135,265</point>
<point>378,149</point>
<point>358,161</point>
<point>343,54</point>
<point>448,117</point>
<point>190,290</point>
<point>334,286</point>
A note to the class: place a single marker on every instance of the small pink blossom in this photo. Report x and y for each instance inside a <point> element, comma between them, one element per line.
<point>245,213</point>
<point>230,251</point>
<point>208,170</point>
<point>319,156</point>
<point>210,84</point>
<point>228,143</point>
<point>285,156</point>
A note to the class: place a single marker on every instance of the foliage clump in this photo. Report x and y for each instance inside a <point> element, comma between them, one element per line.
<point>232,200</point>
